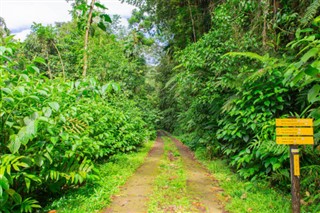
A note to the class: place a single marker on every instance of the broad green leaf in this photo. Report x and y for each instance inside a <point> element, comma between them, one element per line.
<point>14,144</point>
<point>54,105</point>
<point>2,49</point>
<point>40,60</point>
<point>42,92</point>
<point>316,122</point>
<point>21,90</point>
<point>27,132</point>
<point>106,18</point>
<point>97,4</point>
<point>31,128</point>
<point>311,53</point>
<point>47,155</point>
<point>47,111</point>
<point>38,159</point>
<point>33,69</point>
<point>28,182</point>
<point>102,26</point>
<point>15,196</point>
<point>7,90</point>
<point>25,77</point>
<point>116,87</point>
<point>27,120</point>
<point>4,183</point>
<point>297,78</point>
<point>9,124</point>
<point>313,93</point>
<point>36,98</point>
<point>312,71</point>
<point>8,99</point>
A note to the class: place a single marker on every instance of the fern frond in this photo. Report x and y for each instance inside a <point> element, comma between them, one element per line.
<point>311,12</point>
<point>251,55</point>
<point>229,103</point>
<point>75,125</point>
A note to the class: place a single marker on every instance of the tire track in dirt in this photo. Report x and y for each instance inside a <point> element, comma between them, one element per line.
<point>201,186</point>
<point>133,196</point>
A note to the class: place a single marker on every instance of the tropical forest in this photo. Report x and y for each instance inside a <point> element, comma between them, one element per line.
<point>175,112</point>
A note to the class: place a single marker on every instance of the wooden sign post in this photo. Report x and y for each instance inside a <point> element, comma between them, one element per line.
<point>294,132</point>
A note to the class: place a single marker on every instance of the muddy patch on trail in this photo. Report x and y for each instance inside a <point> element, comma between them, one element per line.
<point>201,185</point>
<point>133,196</point>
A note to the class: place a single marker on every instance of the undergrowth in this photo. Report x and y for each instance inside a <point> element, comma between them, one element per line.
<point>96,194</point>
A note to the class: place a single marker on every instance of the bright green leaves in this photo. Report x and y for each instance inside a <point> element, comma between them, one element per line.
<point>14,144</point>
<point>311,71</point>
<point>58,130</point>
<point>313,52</point>
<point>54,105</point>
<point>101,6</point>
<point>4,184</point>
<point>313,94</point>
<point>81,10</point>
<point>15,196</point>
<point>7,90</point>
<point>103,22</point>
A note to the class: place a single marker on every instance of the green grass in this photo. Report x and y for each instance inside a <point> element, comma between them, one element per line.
<point>242,196</point>
<point>170,193</point>
<point>96,194</point>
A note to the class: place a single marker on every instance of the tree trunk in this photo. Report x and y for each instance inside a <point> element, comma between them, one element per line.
<point>62,65</point>
<point>264,31</point>
<point>48,65</point>
<point>86,40</point>
<point>192,21</point>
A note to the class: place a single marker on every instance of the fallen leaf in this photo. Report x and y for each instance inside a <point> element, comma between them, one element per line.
<point>307,194</point>
<point>243,196</point>
<point>249,210</point>
<point>216,189</point>
<point>227,198</point>
<point>303,202</point>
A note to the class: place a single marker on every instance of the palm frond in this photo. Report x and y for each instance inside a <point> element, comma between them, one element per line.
<point>311,12</point>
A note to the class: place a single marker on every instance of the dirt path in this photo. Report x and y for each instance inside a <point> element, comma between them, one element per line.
<point>133,196</point>
<point>201,186</point>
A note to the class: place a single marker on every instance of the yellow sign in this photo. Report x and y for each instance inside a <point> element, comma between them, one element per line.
<point>294,122</point>
<point>296,165</point>
<point>295,140</point>
<point>294,131</point>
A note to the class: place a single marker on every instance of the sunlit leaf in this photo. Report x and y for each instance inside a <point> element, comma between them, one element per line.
<point>313,93</point>
<point>14,144</point>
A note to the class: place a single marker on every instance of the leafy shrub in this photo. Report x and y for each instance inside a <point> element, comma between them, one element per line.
<point>53,131</point>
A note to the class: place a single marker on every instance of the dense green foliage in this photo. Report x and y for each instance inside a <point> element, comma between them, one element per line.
<point>55,127</point>
<point>257,61</point>
<point>52,131</point>
<point>225,71</point>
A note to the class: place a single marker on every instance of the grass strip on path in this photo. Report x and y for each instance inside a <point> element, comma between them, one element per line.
<point>240,196</point>
<point>170,190</point>
<point>96,194</point>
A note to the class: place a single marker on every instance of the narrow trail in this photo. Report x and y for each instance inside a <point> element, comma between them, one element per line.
<point>201,187</point>
<point>133,196</point>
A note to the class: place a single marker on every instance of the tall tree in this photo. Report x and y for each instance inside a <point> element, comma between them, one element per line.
<point>86,15</point>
